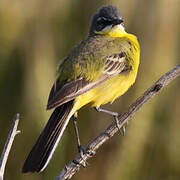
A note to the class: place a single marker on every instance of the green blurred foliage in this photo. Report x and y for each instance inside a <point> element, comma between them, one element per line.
<point>35,35</point>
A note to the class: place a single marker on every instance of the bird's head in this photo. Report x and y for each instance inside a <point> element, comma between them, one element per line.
<point>107,21</point>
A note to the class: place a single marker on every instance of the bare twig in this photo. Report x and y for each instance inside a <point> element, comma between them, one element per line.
<point>4,156</point>
<point>70,169</point>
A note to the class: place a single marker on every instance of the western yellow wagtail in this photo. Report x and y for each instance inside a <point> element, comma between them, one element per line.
<point>97,71</point>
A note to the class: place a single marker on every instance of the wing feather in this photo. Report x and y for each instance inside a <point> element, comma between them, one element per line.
<point>59,95</point>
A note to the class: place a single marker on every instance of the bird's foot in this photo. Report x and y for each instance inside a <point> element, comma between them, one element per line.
<point>122,129</point>
<point>82,152</point>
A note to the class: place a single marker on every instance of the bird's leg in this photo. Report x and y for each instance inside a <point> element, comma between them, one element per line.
<point>116,118</point>
<point>80,148</point>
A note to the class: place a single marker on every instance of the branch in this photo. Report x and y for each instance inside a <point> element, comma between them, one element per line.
<point>4,156</point>
<point>70,169</point>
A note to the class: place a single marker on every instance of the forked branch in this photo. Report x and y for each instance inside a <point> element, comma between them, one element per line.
<point>70,169</point>
<point>4,156</point>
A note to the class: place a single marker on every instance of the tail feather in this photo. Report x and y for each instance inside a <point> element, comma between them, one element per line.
<point>45,146</point>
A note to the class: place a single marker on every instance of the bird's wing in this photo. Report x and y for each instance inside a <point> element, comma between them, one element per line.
<point>114,64</point>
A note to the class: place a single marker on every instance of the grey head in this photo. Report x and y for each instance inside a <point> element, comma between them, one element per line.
<point>106,16</point>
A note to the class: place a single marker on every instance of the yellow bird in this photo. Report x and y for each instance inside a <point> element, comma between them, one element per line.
<point>97,71</point>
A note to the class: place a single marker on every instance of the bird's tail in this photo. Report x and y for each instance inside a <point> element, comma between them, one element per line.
<point>47,142</point>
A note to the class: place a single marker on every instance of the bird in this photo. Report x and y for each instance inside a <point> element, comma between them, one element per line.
<point>96,72</point>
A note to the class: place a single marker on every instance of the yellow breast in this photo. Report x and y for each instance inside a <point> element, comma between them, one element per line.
<point>107,92</point>
<point>118,85</point>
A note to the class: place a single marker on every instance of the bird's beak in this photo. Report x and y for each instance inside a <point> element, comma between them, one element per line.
<point>117,21</point>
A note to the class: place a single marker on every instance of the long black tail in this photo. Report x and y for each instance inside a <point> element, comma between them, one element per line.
<point>45,146</point>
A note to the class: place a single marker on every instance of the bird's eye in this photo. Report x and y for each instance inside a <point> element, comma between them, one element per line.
<point>102,23</point>
<point>103,20</point>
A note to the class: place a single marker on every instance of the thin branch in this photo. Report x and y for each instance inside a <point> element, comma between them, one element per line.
<point>4,156</point>
<point>70,169</point>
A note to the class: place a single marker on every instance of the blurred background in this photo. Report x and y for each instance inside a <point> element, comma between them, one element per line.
<point>35,35</point>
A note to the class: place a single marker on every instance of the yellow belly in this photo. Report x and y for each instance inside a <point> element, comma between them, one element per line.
<point>107,92</point>
<point>115,87</point>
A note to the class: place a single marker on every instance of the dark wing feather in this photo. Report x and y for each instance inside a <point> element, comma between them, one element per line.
<point>114,65</point>
<point>71,90</point>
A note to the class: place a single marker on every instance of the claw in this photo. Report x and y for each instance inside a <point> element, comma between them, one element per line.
<point>66,168</point>
<point>122,130</point>
<point>81,150</point>
<point>81,163</point>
